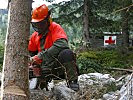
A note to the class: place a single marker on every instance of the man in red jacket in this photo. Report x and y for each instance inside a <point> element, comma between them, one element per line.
<point>48,46</point>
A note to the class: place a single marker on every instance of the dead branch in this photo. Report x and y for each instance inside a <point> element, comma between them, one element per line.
<point>120,69</point>
<point>128,7</point>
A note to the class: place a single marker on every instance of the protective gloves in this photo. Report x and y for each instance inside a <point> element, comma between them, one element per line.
<point>36,60</point>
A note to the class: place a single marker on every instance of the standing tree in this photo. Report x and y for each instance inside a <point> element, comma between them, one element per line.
<point>86,21</point>
<point>125,21</point>
<point>15,67</point>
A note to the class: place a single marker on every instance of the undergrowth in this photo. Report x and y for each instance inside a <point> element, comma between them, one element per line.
<point>98,60</point>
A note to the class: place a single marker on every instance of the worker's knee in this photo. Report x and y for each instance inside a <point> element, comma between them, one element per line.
<point>66,55</point>
<point>68,59</point>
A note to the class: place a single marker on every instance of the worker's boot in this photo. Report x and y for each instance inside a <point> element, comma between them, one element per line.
<point>67,59</point>
<point>73,85</point>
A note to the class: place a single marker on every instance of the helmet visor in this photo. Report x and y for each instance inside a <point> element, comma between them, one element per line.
<point>39,26</point>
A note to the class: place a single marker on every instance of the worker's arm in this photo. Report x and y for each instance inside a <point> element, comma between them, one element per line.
<point>48,56</point>
<point>51,53</point>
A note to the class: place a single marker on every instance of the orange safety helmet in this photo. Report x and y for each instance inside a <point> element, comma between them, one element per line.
<point>39,13</point>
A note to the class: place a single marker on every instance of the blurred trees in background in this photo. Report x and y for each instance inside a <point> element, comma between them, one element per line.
<point>103,16</point>
<point>3,27</point>
<point>81,24</point>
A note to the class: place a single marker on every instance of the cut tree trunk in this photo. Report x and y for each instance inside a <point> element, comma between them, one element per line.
<point>15,66</point>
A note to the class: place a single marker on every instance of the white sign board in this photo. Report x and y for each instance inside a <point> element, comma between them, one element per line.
<point>108,40</point>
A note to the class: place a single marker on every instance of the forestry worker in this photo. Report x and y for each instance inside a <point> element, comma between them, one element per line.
<point>48,47</point>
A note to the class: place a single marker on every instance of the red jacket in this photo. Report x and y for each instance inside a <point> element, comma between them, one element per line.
<point>55,32</point>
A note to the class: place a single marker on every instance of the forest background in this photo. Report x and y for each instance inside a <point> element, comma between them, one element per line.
<point>87,20</point>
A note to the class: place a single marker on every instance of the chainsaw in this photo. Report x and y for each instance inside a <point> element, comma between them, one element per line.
<point>39,78</point>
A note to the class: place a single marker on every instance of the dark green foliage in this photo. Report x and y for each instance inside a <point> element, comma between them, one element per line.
<point>3,29</point>
<point>68,12</point>
<point>1,55</point>
<point>3,22</point>
<point>87,62</point>
<point>69,15</point>
<point>103,17</point>
<point>109,58</point>
<point>98,60</point>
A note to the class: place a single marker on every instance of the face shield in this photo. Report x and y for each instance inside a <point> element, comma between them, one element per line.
<point>40,27</point>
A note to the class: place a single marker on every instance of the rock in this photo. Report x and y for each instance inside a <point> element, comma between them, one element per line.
<point>95,78</point>
<point>56,82</point>
<point>95,83</point>
<point>110,96</point>
<point>126,91</point>
<point>61,92</point>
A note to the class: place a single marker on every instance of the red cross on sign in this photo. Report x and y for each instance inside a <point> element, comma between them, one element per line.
<point>110,41</point>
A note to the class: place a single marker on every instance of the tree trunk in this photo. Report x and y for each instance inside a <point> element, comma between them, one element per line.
<point>15,66</point>
<point>125,26</point>
<point>86,21</point>
<point>125,31</point>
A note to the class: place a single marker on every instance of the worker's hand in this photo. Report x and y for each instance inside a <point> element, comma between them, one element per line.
<point>36,60</point>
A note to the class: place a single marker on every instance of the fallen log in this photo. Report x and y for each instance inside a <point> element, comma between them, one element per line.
<point>120,69</point>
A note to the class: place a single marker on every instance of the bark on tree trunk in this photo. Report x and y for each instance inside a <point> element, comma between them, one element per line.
<point>125,32</point>
<point>125,19</point>
<point>15,67</point>
<point>86,21</point>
